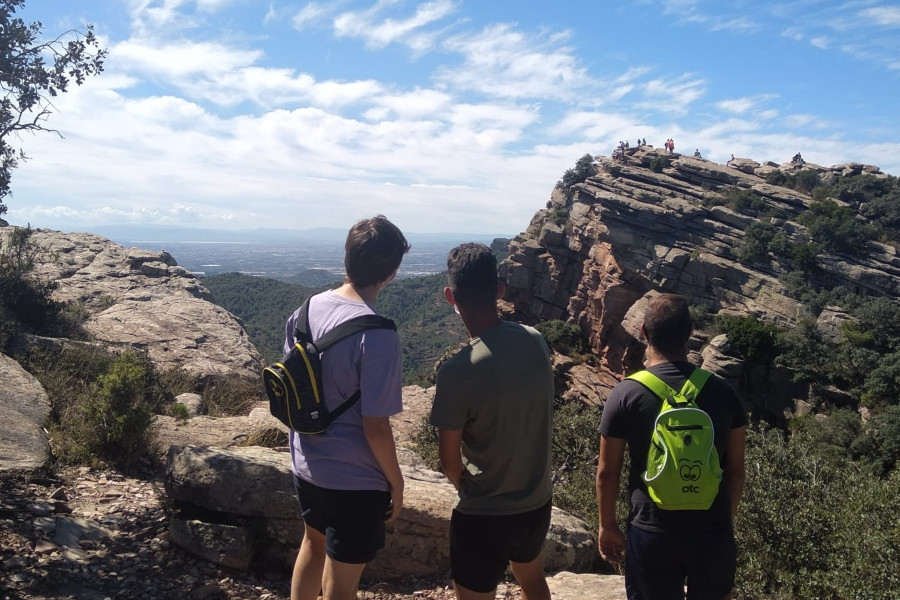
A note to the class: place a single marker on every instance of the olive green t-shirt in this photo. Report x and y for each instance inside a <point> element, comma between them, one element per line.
<point>499,391</point>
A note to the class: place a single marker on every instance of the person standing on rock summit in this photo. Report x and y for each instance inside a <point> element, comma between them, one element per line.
<point>666,548</point>
<point>493,407</point>
<point>348,478</point>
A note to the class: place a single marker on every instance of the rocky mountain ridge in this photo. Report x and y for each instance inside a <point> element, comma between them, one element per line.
<point>600,248</point>
<point>142,298</point>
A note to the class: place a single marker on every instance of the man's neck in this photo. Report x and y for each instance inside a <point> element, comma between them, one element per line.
<point>366,294</point>
<point>479,321</point>
<point>655,357</point>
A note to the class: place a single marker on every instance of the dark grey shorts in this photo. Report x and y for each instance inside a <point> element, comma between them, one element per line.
<point>482,546</point>
<point>352,521</point>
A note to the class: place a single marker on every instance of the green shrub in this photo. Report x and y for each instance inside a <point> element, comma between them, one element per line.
<point>425,444</point>
<point>778,178</point>
<point>584,168</point>
<point>753,338</point>
<point>744,201</point>
<point>180,412</point>
<point>699,315</point>
<point>754,245</point>
<point>806,181</point>
<point>805,256</point>
<point>658,164</point>
<point>809,527</point>
<point>574,456</point>
<point>558,215</point>
<point>563,337</point>
<point>102,403</point>
<point>836,227</point>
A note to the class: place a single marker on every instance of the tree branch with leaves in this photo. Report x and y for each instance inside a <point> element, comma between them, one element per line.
<point>33,71</point>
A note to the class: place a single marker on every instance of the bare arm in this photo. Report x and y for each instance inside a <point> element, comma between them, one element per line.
<point>734,466</point>
<point>380,437</point>
<point>610,539</point>
<point>449,452</point>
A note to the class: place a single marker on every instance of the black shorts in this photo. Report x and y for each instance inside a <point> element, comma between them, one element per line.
<point>657,565</point>
<point>352,521</point>
<point>481,546</point>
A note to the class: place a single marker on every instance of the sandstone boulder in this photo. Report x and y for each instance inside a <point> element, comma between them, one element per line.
<point>24,411</point>
<point>141,298</point>
<point>250,491</point>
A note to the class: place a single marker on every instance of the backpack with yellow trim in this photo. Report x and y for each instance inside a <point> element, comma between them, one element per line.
<point>294,385</point>
<point>683,471</point>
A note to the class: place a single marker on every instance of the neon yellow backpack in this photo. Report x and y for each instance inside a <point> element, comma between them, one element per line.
<point>683,471</point>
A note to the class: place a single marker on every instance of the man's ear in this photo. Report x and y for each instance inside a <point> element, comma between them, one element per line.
<point>501,289</point>
<point>643,332</point>
<point>448,295</point>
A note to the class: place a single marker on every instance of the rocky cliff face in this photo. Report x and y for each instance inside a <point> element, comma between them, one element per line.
<point>601,248</point>
<point>144,299</point>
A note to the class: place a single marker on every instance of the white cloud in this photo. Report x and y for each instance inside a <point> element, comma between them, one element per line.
<point>792,33</point>
<point>378,31</point>
<point>506,63</point>
<point>740,24</point>
<point>176,60</point>
<point>742,105</point>
<point>888,16</point>
<point>820,41</point>
<point>674,94</point>
<point>310,13</point>
<point>417,104</point>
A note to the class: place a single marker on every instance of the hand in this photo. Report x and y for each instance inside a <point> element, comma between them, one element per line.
<point>611,543</point>
<point>393,510</point>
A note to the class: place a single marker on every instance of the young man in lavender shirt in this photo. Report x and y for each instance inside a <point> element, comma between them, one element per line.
<point>347,478</point>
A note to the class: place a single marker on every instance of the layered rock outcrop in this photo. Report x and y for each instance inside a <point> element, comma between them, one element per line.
<point>602,247</point>
<point>142,298</point>
<point>236,505</point>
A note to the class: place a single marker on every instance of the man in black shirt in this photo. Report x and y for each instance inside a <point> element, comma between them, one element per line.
<point>668,549</point>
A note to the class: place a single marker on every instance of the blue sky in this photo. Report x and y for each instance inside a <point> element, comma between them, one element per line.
<point>445,115</point>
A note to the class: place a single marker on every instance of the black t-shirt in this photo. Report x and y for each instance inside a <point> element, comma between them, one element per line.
<point>630,414</point>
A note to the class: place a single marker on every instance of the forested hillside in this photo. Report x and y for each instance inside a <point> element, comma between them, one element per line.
<point>427,325</point>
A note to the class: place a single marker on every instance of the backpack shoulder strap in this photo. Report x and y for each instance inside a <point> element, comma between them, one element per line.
<point>653,383</point>
<point>695,383</point>
<point>345,329</point>
<point>351,326</point>
<point>301,326</point>
<point>690,390</point>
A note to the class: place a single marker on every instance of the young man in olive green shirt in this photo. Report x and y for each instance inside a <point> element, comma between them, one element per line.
<point>493,408</point>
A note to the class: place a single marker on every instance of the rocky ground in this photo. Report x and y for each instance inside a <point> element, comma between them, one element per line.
<point>90,535</point>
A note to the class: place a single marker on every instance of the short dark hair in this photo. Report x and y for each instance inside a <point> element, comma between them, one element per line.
<point>373,251</point>
<point>472,272</point>
<point>668,323</point>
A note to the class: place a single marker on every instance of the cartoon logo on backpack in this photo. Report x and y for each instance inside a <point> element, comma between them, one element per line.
<point>690,470</point>
<point>683,471</point>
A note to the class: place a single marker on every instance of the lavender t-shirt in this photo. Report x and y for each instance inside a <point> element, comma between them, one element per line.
<point>340,458</point>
